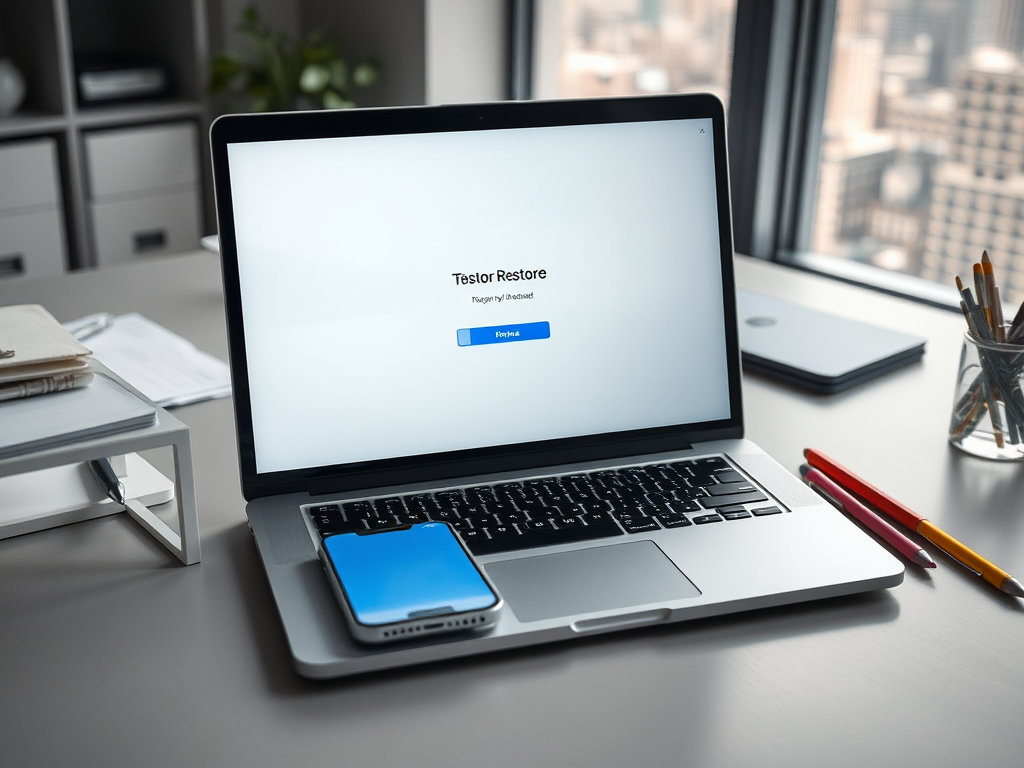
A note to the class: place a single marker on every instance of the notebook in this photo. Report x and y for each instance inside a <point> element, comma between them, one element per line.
<point>518,318</point>
<point>816,350</point>
<point>60,418</point>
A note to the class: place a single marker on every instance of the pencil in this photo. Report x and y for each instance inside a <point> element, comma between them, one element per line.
<point>990,572</point>
<point>831,491</point>
<point>995,316</point>
<point>982,290</point>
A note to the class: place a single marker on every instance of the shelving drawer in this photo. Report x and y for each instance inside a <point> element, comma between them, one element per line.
<point>28,174</point>
<point>31,243</point>
<point>143,226</point>
<point>130,160</point>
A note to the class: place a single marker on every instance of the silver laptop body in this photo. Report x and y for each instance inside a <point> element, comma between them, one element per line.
<point>519,318</point>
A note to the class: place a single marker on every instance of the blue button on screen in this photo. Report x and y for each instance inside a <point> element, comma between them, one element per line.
<point>501,334</point>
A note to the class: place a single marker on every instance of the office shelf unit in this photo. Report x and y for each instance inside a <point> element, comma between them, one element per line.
<point>43,39</point>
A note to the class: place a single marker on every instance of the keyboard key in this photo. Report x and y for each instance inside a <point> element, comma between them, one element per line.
<point>529,505</point>
<point>324,509</point>
<point>674,521</point>
<point>596,518</point>
<point>356,510</point>
<point>763,511</point>
<point>729,476</point>
<point>727,488</point>
<point>637,510</point>
<point>712,502</point>
<point>503,532</point>
<point>702,519</point>
<point>481,521</point>
<point>473,538</point>
<point>382,522</point>
<point>390,506</point>
<point>480,494</point>
<point>537,525</point>
<point>685,494</point>
<point>683,506</point>
<point>734,515</point>
<point>512,516</point>
<point>568,522</point>
<point>640,525</point>
<point>658,498</point>
<point>421,502</point>
<point>710,462</point>
<point>542,537</point>
<point>332,521</point>
<point>411,518</point>
<point>497,508</point>
<point>561,509</point>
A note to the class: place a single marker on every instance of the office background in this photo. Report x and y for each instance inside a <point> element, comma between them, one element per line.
<point>112,654</point>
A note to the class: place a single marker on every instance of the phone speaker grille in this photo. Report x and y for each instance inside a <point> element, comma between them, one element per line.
<point>433,626</point>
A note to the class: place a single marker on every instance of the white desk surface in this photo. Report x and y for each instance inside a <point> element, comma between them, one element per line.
<point>111,654</point>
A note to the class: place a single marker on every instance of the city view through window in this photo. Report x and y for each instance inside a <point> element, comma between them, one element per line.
<point>621,47</point>
<point>922,160</point>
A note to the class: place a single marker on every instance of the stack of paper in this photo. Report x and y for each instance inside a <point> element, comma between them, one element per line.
<point>37,356</point>
<point>38,423</point>
<point>163,366</point>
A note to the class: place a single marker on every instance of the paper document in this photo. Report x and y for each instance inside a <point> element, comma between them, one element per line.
<point>166,368</point>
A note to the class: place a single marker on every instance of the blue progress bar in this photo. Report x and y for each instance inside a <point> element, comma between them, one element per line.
<point>500,334</point>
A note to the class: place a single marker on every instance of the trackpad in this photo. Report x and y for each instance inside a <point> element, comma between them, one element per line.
<point>587,580</point>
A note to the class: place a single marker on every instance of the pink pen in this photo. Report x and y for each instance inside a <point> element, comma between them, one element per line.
<point>909,549</point>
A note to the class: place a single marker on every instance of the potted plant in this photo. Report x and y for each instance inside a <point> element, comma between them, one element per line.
<point>289,74</point>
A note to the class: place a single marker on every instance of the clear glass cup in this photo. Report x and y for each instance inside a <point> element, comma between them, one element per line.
<point>988,407</point>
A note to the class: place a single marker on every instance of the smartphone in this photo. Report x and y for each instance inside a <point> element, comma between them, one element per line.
<point>408,582</point>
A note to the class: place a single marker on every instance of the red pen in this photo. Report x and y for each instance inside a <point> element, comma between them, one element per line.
<point>906,547</point>
<point>957,550</point>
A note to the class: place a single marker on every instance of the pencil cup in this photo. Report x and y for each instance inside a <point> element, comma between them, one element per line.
<point>988,408</point>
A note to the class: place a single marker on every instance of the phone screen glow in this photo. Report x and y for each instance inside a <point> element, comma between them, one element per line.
<point>396,575</point>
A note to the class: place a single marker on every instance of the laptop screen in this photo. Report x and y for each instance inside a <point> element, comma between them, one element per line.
<point>421,293</point>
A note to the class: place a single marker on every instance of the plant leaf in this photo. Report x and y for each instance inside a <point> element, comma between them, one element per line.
<point>314,78</point>
<point>334,101</point>
<point>365,74</point>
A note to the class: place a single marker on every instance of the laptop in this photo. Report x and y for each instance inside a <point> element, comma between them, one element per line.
<point>797,345</point>
<point>518,318</point>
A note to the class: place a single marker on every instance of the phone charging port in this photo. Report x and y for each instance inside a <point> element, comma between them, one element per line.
<point>433,625</point>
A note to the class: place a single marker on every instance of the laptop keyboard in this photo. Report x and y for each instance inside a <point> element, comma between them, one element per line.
<point>565,508</point>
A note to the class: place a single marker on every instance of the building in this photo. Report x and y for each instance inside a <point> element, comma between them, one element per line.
<point>977,196</point>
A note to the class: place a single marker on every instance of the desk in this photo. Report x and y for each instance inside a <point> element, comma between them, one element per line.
<point>112,654</point>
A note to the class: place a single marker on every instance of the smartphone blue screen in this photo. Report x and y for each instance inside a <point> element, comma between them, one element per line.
<point>418,571</point>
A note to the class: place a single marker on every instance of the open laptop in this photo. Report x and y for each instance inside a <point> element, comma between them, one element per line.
<point>518,318</point>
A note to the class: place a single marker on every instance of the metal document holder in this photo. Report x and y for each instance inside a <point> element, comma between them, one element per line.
<point>62,491</point>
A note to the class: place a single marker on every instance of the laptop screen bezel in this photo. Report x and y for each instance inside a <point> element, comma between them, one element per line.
<point>231,129</point>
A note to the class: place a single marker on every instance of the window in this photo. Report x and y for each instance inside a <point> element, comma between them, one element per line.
<point>621,47</point>
<point>920,127</point>
<point>881,141</point>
